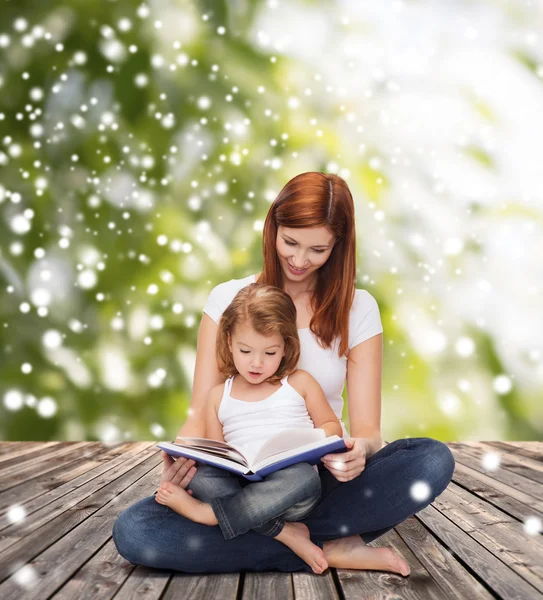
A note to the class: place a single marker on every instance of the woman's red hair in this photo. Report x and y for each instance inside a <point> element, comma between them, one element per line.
<point>318,200</point>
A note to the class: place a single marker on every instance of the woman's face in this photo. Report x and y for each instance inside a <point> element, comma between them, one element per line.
<point>302,251</point>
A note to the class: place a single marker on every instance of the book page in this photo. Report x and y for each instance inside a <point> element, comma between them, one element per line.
<point>281,456</point>
<point>213,447</point>
<point>287,440</point>
<point>205,457</point>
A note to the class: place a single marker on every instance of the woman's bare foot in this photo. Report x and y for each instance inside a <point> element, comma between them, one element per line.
<point>184,504</point>
<point>296,537</point>
<point>352,553</point>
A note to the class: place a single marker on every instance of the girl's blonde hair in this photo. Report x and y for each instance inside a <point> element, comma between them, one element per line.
<point>267,310</point>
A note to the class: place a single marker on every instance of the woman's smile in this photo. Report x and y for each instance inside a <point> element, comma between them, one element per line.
<point>295,271</point>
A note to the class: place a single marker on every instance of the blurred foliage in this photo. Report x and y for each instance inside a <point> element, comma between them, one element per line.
<point>142,146</point>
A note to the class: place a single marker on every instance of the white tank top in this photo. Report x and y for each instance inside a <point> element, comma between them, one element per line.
<point>249,424</point>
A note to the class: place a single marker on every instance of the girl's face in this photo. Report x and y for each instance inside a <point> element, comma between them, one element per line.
<point>302,251</point>
<point>257,357</point>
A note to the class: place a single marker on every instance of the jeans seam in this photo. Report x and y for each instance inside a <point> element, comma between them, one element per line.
<point>222,519</point>
<point>275,529</point>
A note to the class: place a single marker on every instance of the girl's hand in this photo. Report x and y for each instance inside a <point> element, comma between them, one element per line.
<point>348,465</point>
<point>179,472</point>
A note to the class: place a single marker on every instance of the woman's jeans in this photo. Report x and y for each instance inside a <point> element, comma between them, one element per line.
<point>382,496</point>
<point>264,506</point>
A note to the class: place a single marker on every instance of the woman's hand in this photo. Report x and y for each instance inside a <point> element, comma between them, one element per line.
<point>348,465</point>
<point>179,472</point>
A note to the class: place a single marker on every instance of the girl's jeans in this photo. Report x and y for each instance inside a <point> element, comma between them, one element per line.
<point>264,506</point>
<point>381,497</point>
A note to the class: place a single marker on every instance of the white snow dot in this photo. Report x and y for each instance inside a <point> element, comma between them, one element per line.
<point>449,403</point>
<point>420,491</point>
<point>204,103</point>
<point>502,384</point>
<point>26,577</point>
<point>157,430</point>
<point>20,224</point>
<point>47,407</point>
<point>141,80</point>
<point>52,339</point>
<point>532,525</point>
<point>465,346</point>
<point>453,246</point>
<point>152,289</point>
<point>16,513</point>
<point>40,297</point>
<point>221,187</point>
<point>13,400</point>
<point>87,279</point>
<point>491,461</point>
<point>26,368</point>
<point>117,323</point>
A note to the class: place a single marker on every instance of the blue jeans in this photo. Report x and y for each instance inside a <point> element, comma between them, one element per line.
<point>264,506</point>
<point>150,534</point>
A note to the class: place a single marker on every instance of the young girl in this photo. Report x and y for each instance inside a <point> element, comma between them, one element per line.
<point>257,350</point>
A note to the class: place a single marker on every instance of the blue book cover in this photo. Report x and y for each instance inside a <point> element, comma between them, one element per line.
<point>230,458</point>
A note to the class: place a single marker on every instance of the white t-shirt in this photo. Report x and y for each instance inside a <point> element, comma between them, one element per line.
<point>329,369</point>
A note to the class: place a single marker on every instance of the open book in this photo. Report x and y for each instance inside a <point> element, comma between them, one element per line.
<point>279,451</point>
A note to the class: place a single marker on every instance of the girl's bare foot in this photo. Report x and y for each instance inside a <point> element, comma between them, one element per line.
<point>296,537</point>
<point>184,504</point>
<point>352,553</point>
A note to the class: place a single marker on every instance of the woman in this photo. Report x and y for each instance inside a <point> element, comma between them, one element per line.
<point>309,251</point>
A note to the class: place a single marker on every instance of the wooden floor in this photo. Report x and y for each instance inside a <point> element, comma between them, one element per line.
<point>58,502</point>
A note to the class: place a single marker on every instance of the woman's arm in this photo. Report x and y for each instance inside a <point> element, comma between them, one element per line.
<point>364,374</point>
<point>206,376</point>
<point>318,407</point>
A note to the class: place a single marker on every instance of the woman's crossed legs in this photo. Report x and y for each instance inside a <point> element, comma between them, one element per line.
<point>389,490</point>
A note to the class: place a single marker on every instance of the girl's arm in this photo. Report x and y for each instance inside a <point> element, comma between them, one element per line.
<point>213,425</point>
<point>206,376</point>
<point>318,407</point>
<point>364,373</point>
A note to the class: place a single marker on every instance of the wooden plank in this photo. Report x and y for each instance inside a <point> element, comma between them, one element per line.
<point>99,578</point>
<point>37,493</point>
<point>39,454</point>
<point>12,450</point>
<point>197,587</point>
<point>267,585</point>
<point>529,450</point>
<point>499,494</point>
<point>144,583</point>
<point>44,462</point>
<point>381,585</point>
<point>499,533</point>
<point>535,446</point>
<point>29,538</point>
<point>504,582</point>
<point>308,586</point>
<point>449,574</point>
<point>529,487</point>
<point>526,467</point>
<point>54,567</point>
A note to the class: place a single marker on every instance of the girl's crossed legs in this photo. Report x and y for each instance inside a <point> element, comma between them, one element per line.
<point>268,507</point>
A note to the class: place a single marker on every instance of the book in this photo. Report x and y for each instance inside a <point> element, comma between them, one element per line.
<point>279,451</point>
